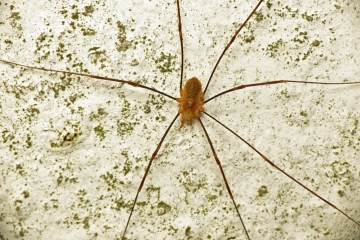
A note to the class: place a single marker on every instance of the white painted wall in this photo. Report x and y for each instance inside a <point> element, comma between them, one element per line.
<point>55,182</point>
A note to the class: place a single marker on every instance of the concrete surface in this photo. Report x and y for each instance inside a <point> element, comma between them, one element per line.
<point>73,149</point>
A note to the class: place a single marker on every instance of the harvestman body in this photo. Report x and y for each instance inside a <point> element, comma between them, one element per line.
<point>191,101</point>
<point>191,108</point>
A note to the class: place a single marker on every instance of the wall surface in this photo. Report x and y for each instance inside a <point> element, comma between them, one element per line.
<point>73,149</point>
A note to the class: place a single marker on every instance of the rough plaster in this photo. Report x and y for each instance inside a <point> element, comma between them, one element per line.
<point>73,150</point>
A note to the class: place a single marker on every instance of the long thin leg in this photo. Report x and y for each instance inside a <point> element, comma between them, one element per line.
<point>282,171</point>
<point>231,41</point>
<point>134,84</point>
<point>223,175</point>
<point>181,42</point>
<point>275,82</point>
<point>146,173</point>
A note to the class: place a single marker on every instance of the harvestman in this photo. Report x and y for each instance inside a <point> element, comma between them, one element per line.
<point>191,102</point>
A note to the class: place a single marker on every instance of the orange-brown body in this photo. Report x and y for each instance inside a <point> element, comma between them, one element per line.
<point>191,101</point>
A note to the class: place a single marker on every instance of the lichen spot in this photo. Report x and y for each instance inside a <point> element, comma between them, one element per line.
<point>191,101</point>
